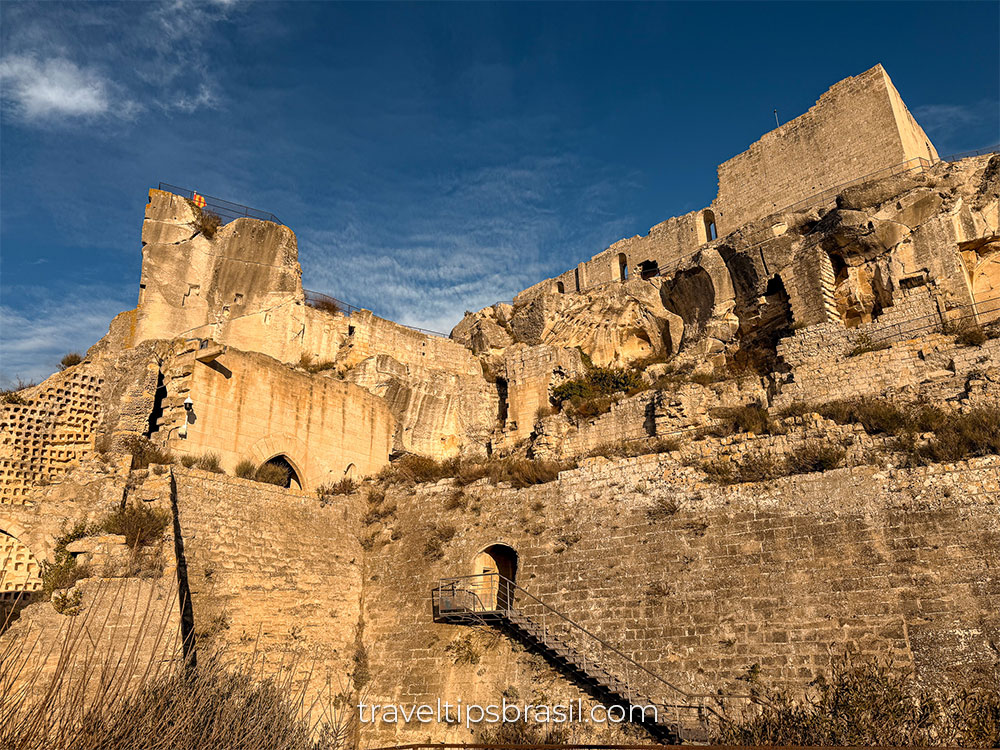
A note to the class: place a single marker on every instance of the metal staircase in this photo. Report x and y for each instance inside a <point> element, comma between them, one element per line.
<point>602,670</point>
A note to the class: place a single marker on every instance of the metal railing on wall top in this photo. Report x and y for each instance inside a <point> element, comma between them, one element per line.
<point>225,209</point>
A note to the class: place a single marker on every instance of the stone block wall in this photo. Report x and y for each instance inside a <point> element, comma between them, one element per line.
<point>859,126</point>
<point>247,405</point>
<point>699,582</point>
<point>272,570</point>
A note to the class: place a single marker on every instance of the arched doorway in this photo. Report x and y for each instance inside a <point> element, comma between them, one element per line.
<point>496,567</point>
<point>560,287</point>
<point>292,479</point>
<point>622,267</point>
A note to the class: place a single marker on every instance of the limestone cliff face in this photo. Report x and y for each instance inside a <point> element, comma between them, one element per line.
<point>437,414</point>
<point>733,299</point>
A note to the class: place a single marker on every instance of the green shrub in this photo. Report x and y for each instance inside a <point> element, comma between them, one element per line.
<point>814,456</point>
<point>246,469</point>
<point>209,462</point>
<point>71,359</point>
<point>62,572</point>
<point>599,381</point>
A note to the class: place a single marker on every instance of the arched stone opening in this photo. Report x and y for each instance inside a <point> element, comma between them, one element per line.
<point>649,268</point>
<point>622,267</point>
<point>496,568</point>
<point>708,225</point>
<point>576,277</point>
<point>293,479</point>
<point>560,287</point>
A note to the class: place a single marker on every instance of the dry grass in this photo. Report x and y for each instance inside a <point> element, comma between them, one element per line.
<point>345,486</point>
<point>209,462</point>
<point>71,359</point>
<point>271,474</point>
<point>865,343</point>
<point>145,452</point>
<point>325,305</point>
<point>754,419</point>
<point>633,448</point>
<point>207,222</point>
<point>814,456</point>
<point>136,691</point>
<point>245,469</point>
<point>14,395</point>
<point>437,539</point>
<point>138,523</point>
<point>519,472</point>
<point>865,704</point>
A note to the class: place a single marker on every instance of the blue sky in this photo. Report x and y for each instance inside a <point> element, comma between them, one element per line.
<point>431,158</point>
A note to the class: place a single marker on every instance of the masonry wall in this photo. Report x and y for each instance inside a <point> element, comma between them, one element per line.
<point>272,570</point>
<point>859,126</point>
<point>247,405</point>
<point>898,564</point>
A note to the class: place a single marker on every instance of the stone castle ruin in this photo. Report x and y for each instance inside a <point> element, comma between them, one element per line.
<point>842,258</point>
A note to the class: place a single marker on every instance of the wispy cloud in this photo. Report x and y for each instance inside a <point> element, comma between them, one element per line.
<point>478,236</point>
<point>70,64</point>
<point>38,334</point>
<point>945,121</point>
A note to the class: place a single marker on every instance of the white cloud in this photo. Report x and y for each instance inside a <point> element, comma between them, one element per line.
<point>37,336</point>
<point>40,89</point>
<point>947,120</point>
<point>71,64</point>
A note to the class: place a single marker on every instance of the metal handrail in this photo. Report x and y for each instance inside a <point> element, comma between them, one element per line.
<point>966,154</point>
<point>314,299</point>
<point>220,206</point>
<point>941,318</point>
<point>509,599</point>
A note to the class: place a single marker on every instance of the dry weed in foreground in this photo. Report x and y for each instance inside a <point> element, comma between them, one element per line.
<point>863,704</point>
<point>58,691</point>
